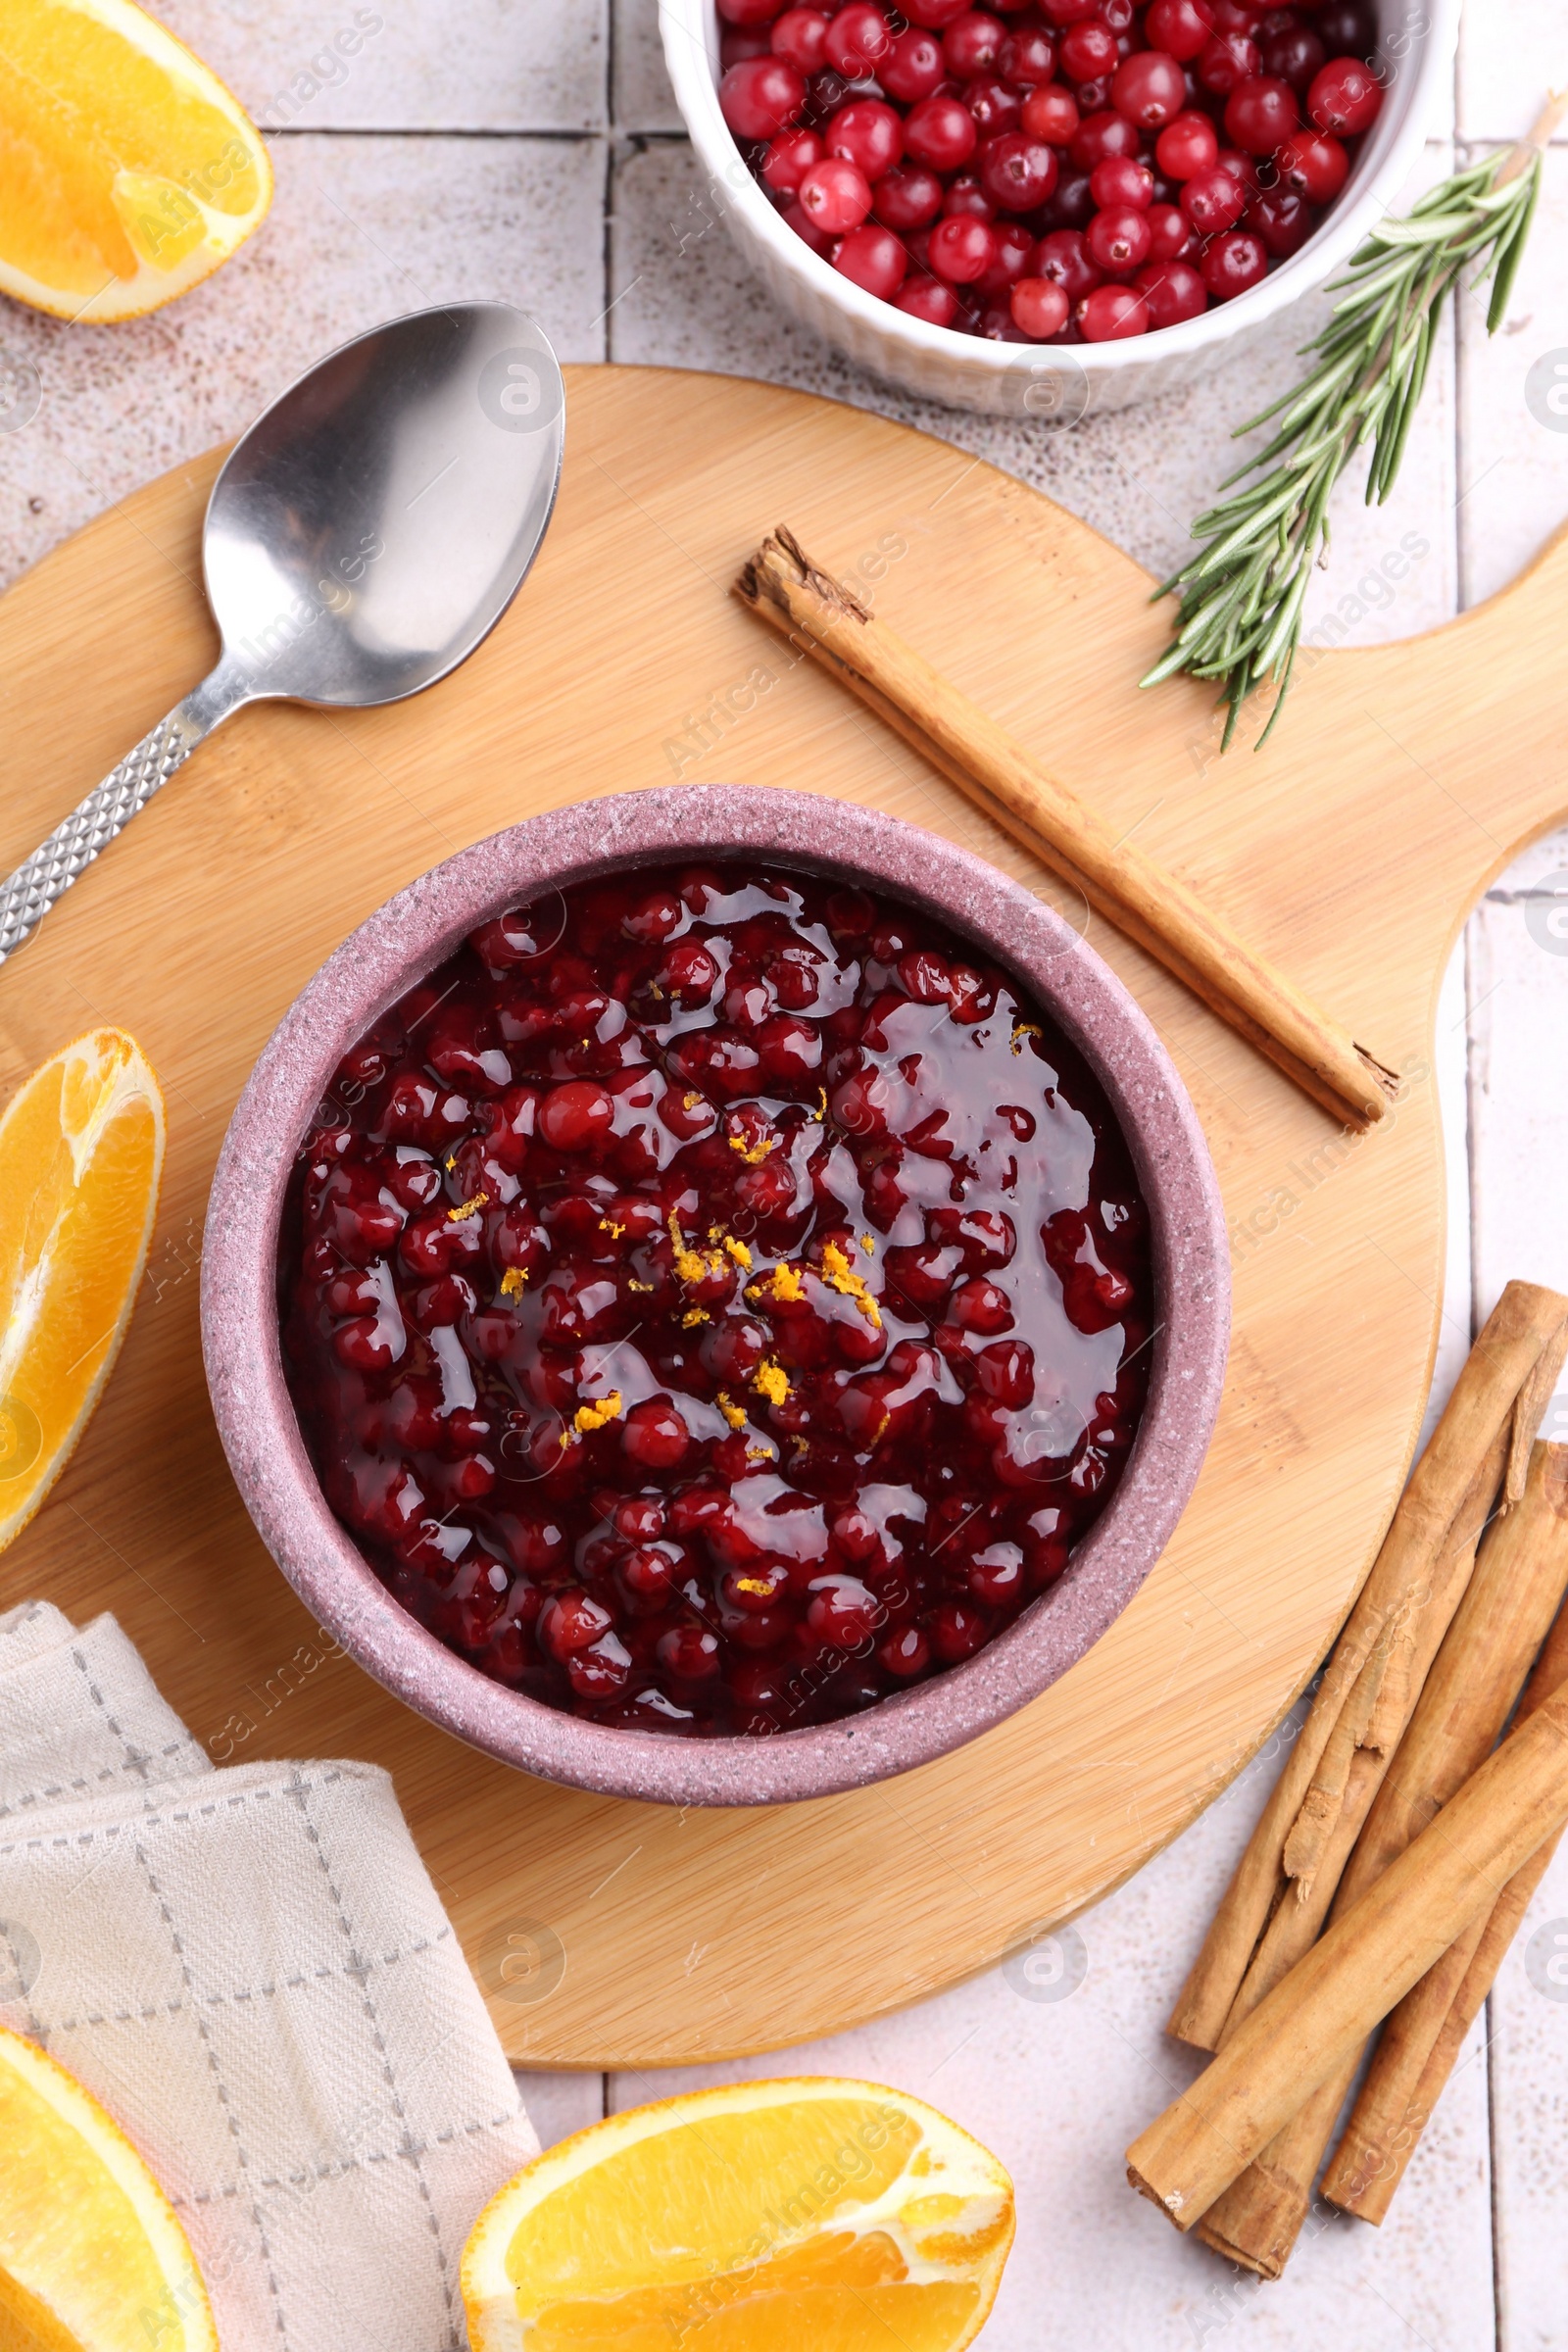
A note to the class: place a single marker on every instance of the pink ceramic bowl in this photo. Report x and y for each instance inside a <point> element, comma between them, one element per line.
<point>415,931</point>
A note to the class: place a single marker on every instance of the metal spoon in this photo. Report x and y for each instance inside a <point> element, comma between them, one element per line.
<point>366,533</point>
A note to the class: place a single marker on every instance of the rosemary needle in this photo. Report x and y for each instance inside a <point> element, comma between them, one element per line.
<point>1241,596</point>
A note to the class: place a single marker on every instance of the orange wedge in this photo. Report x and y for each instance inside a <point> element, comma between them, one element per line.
<point>807,2216</point>
<point>92,2256</point>
<point>81,1150</point>
<point>127,172</point>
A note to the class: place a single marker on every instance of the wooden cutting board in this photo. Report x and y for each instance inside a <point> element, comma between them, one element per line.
<point>1402,778</point>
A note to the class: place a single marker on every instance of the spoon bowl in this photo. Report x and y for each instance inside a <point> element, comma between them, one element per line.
<point>364,536</point>
<point>374,525</point>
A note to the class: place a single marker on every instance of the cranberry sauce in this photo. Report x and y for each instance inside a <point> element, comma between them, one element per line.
<point>715,1299</point>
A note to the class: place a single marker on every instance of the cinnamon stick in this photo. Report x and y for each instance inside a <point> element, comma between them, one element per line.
<point>1311,2023</point>
<point>1151,904</point>
<point>1257,2221</point>
<point>1421,2039</point>
<point>1409,1598</point>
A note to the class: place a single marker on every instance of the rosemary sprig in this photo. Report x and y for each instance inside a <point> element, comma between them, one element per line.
<point>1241,597</point>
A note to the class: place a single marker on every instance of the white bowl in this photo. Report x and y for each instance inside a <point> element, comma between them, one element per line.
<point>1057,385</point>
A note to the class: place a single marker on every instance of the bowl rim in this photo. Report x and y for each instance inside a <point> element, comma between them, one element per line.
<point>689,37</point>
<point>413,932</point>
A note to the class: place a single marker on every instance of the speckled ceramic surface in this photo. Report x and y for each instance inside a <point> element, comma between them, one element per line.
<point>422,924</point>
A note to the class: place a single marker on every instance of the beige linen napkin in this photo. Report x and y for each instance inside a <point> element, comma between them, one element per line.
<point>252,1970</point>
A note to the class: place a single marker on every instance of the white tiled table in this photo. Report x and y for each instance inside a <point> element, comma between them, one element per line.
<point>530,148</point>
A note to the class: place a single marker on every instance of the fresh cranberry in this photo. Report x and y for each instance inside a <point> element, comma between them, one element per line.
<point>1226,60</point>
<point>1120,181</point>
<point>1014,252</point>
<point>964,194</point>
<point>1050,114</point>
<point>1118,240</point>
<point>1313,165</point>
<point>758,97</point>
<point>1039,308</point>
<point>835,195</point>
<point>1073,205</point>
<point>795,216</point>
<point>1102,133</point>
<point>1028,57</point>
<point>940,132</point>
<point>749,12</point>
<point>1088,50</point>
<point>739,43</point>
<point>1172,292</point>
<point>1291,52</point>
<point>1170,234</point>
<point>908,197</point>
<point>870,257</point>
<point>1110,313</point>
<point>935,14</point>
<point>1213,200</point>
<point>1283,220</point>
<point>858,39</point>
<point>1063,259</point>
<point>1188,144</point>
<point>972,45</point>
<point>1017,173</point>
<point>798,36</point>
<point>912,67</point>
<point>994,105</point>
<point>1149,89</point>
<point>1180,27</point>
<point>1346,28</point>
<point>1243,169</point>
<point>1233,263</point>
<point>928,299</point>
<point>868,134</point>
<point>1260,115</point>
<point>789,159</point>
<point>1345,98</point>
<point>961,250</point>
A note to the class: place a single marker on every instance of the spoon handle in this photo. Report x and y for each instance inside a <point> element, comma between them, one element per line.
<point>27,895</point>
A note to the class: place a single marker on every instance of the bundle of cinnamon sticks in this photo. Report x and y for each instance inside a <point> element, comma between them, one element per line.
<point>1405,1837</point>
